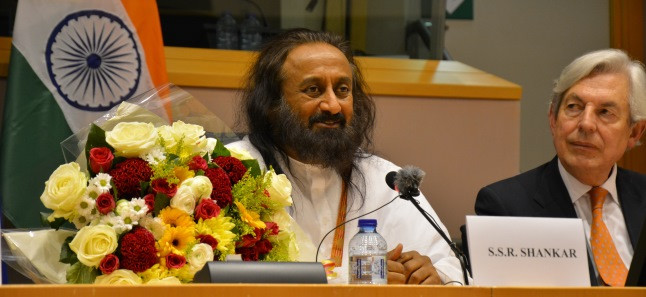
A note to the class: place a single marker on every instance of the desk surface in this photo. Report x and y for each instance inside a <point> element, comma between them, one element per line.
<point>212,68</point>
<point>265,290</point>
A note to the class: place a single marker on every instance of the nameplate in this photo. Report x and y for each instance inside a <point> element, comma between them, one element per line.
<point>523,251</point>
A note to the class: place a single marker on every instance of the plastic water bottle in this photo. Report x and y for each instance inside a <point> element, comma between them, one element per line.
<point>226,32</point>
<point>367,252</point>
<point>250,29</point>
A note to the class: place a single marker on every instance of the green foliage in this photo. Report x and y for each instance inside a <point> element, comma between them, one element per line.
<point>161,201</point>
<point>68,256</point>
<point>220,151</point>
<point>81,274</point>
<point>56,224</point>
<point>252,166</point>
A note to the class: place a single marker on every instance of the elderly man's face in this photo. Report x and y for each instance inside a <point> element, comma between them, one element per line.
<point>592,128</point>
<point>318,86</point>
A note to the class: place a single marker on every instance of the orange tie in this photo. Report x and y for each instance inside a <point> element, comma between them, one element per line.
<point>611,268</point>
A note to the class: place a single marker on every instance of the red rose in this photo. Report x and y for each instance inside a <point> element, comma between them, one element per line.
<point>109,264</point>
<point>272,228</point>
<point>101,159</point>
<point>105,203</point>
<point>161,185</point>
<point>206,209</point>
<point>149,199</point>
<point>263,247</point>
<point>197,163</point>
<point>175,261</point>
<point>208,239</point>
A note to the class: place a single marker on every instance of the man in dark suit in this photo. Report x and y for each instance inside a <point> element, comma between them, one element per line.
<point>597,112</point>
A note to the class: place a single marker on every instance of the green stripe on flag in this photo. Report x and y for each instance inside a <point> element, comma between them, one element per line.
<point>32,130</point>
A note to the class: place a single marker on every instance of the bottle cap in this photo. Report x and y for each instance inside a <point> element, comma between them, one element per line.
<point>367,223</point>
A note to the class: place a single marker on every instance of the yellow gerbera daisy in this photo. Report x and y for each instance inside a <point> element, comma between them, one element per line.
<point>176,218</point>
<point>183,173</point>
<point>175,240</point>
<point>250,217</point>
<point>220,228</point>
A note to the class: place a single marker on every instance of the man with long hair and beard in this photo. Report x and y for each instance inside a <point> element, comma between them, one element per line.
<point>309,116</point>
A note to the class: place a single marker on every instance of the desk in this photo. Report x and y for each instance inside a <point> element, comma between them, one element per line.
<point>265,290</point>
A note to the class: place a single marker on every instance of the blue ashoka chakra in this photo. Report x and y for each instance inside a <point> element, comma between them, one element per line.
<point>93,60</point>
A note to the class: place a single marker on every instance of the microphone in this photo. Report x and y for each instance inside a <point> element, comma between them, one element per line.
<point>406,181</point>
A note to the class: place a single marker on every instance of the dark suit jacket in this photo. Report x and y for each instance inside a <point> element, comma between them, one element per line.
<point>541,192</point>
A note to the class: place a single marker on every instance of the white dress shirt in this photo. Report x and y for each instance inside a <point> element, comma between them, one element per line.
<point>612,215</point>
<point>316,194</point>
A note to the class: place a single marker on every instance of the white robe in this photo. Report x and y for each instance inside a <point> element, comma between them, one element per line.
<point>316,194</point>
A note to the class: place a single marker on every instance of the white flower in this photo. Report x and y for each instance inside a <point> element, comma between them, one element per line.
<point>208,149</point>
<point>102,182</point>
<point>184,199</point>
<point>155,225</point>
<point>118,277</point>
<point>86,207</point>
<point>280,189</point>
<point>132,139</point>
<point>92,243</point>
<point>139,208</point>
<point>154,156</point>
<point>239,153</point>
<point>80,221</point>
<point>114,221</point>
<point>93,191</point>
<point>201,186</point>
<point>192,136</point>
<point>199,255</point>
<point>64,190</point>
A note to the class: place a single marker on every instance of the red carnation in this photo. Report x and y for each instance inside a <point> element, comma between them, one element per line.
<point>249,240</point>
<point>263,247</point>
<point>175,261</point>
<point>208,239</point>
<point>138,251</point>
<point>149,199</point>
<point>248,253</point>
<point>197,163</point>
<point>101,159</point>
<point>206,209</point>
<point>234,168</point>
<point>109,264</point>
<point>272,228</point>
<point>128,175</point>
<point>161,185</point>
<point>105,203</point>
<point>221,186</point>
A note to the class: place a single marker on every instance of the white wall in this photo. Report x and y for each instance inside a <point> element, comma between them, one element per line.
<point>529,42</point>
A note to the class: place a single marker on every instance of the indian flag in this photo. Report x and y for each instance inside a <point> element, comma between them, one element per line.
<point>71,61</point>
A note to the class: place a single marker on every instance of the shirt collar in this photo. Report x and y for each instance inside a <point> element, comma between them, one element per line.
<point>577,189</point>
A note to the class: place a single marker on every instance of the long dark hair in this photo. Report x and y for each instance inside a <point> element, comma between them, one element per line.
<point>262,95</point>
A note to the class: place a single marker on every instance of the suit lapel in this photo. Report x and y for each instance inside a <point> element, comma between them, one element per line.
<point>553,196</point>
<point>632,205</point>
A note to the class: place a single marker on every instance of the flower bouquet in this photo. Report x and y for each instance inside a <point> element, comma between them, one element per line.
<point>155,197</point>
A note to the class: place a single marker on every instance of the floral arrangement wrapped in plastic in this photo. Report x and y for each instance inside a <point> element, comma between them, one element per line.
<point>158,197</point>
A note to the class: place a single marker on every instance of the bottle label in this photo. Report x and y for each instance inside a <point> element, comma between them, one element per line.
<point>368,270</point>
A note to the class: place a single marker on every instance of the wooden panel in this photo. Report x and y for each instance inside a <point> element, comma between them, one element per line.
<point>225,69</point>
<point>568,292</point>
<point>627,33</point>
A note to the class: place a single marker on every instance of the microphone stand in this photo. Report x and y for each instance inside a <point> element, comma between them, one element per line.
<point>458,253</point>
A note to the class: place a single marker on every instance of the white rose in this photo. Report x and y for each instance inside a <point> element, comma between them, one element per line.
<point>119,277</point>
<point>200,254</point>
<point>280,189</point>
<point>184,199</point>
<point>192,136</point>
<point>201,186</point>
<point>239,153</point>
<point>210,146</point>
<point>64,190</point>
<point>155,225</point>
<point>92,243</point>
<point>169,280</point>
<point>166,134</point>
<point>282,218</point>
<point>131,139</point>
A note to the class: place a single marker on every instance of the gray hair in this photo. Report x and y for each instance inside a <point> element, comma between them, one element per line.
<point>604,61</point>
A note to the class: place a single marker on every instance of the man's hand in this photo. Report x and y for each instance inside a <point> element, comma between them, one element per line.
<point>410,268</point>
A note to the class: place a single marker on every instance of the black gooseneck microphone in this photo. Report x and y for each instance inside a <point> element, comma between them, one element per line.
<point>406,181</point>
